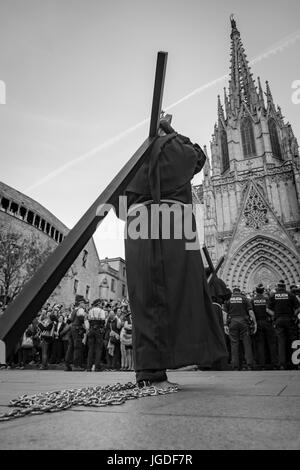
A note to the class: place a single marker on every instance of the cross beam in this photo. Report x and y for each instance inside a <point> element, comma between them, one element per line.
<point>213,270</point>
<point>20,313</point>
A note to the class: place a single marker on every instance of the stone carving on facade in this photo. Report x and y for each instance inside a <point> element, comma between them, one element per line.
<point>255,211</point>
<point>265,252</point>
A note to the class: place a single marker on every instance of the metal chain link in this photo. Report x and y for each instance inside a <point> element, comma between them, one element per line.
<point>59,400</point>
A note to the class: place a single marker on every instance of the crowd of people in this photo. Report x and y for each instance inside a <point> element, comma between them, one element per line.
<point>88,337</point>
<point>259,328</point>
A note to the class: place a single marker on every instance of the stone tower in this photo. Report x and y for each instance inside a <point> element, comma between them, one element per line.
<point>251,187</point>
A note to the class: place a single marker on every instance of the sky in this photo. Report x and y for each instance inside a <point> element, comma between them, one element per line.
<point>79,78</point>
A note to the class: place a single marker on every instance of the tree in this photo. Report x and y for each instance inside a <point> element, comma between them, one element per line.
<point>19,259</point>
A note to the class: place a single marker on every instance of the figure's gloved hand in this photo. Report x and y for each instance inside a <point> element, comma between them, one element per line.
<point>166,126</point>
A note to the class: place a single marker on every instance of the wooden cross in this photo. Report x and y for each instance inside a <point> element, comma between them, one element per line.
<point>213,270</point>
<point>20,313</point>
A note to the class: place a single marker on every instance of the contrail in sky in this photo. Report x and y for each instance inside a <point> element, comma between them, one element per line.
<point>274,49</point>
<point>85,156</point>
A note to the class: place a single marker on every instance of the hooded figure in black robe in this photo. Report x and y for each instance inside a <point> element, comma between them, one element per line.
<point>174,324</point>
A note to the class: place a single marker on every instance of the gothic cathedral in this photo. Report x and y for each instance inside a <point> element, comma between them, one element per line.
<point>251,189</point>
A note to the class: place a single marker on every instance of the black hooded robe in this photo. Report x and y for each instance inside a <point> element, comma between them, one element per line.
<point>173,320</point>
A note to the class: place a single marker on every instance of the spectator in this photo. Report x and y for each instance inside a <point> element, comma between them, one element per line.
<point>96,323</point>
<point>75,346</point>
<point>126,343</point>
<point>26,349</point>
<point>46,325</point>
<point>65,337</point>
<point>57,345</point>
<point>112,338</point>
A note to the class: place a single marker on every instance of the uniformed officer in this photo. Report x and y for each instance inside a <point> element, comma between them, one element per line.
<point>96,324</point>
<point>296,291</point>
<point>265,334</point>
<point>238,313</point>
<point>284,307</point>
<point>75,345</point>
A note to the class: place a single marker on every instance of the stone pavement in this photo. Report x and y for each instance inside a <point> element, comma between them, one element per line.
<point>213,410</point>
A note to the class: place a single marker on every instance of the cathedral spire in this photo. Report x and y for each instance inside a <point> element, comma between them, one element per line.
<point>226,101</point>
<point>260,94</point>
<point>269,96</point>
<point>221,115</point>
<point>241,83</point>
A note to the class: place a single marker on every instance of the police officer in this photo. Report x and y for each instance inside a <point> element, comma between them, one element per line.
<point>265,334</point>
<point>296,291</point>
<point>238,313</point>
<point>96,323</point>
<point>75,345</point>
<point>284,306</point>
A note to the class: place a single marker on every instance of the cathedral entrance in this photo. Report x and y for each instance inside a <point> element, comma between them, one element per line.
<point>261,259</point>
<point>265,275</point>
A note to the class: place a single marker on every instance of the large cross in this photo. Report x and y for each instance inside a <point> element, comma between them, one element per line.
<point>20,313</point>
<point>213,270</point>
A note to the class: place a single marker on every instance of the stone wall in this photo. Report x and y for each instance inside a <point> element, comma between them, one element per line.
<point>82,277</point>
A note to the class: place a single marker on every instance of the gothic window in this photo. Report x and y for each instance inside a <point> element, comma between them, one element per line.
<point>123,290</point>
<point>225,153</point>
<point>248,138</point>
<point>255,210</point>
<point>274,138</point>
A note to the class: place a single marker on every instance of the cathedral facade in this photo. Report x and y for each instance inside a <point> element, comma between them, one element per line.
<point>250,196</point>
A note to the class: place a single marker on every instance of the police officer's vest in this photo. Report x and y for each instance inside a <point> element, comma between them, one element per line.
<point>238,306</point>
<point>260,306</point>
<point>78,317</point>
<point>96,317</point>
<point>282,304</point>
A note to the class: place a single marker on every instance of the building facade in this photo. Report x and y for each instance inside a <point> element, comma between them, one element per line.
<point>21,214</point>
<point>112,279</point>
<point>251,188</point>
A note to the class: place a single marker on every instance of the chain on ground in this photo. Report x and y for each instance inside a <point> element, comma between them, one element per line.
<point>100,396</point>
